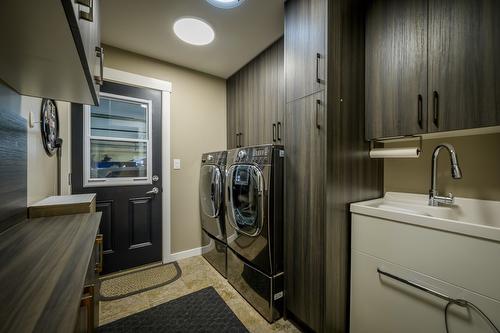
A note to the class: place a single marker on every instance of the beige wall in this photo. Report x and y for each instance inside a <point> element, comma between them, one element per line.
<point>479,158</point>
<point>42,172</point>
<point>198,125</point>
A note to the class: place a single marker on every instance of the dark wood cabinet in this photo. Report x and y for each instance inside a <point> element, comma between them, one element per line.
<point>431,65</point>
<point>396,68</point>
<point>54,50</point>
<point>304,213</point>
<point>305,41</point>
<point>255,100</point>
<point>327,167</point>
<point>464,68</point>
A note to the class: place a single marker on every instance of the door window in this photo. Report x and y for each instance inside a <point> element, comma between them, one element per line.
<point>246,198</point>
<point>117,142</point>
<point>210,190</point>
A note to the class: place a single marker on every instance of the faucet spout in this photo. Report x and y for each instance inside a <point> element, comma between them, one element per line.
<point>456,173</point>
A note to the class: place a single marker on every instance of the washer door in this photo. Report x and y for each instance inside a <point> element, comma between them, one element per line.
<point>210,190</point>
<point>244,199</point>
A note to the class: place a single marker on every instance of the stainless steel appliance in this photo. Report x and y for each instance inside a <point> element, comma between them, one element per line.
<point>254,224</point>
<point>211,192</point>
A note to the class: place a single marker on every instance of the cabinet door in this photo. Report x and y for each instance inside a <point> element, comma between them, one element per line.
<point>88,20</point>
<point>304,209</point>
<point>396,68</point>
<point>232,114</point>
<point>305,40</point>
<point>280,108</point>
<point>464,71</point>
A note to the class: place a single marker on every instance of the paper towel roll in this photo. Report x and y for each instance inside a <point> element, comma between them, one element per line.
<point>395,153</point>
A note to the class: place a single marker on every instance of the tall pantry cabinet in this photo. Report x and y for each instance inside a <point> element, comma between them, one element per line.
<point>327,164</point>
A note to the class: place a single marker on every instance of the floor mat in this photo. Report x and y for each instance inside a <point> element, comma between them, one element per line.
<point>201,311</point>
<point>127,284</point>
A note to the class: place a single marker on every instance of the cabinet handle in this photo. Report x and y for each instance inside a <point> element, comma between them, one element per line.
<point>241,135</point>
<point>99,52</point>
<point>318,104</point>
<point>237,136</point>
<point>415,285</point>
<point>435,108</point>
<point>318,57</point>
<point>274,132</point>
<point>279,131</point>
<point>99,240</point>
<point>420,111</point>
<point>87,301</point>
<point>87,16</point>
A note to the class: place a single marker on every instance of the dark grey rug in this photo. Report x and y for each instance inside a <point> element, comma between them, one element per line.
<point>201,311</point>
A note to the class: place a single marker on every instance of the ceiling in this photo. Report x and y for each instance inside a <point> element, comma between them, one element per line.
<point>145,27</point>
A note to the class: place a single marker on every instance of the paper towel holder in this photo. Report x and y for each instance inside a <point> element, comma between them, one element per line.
<point>409,137</point>
<point>390,151</point>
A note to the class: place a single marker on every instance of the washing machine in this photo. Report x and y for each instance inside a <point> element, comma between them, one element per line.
<point>254,224</point>
<point>211,193</point>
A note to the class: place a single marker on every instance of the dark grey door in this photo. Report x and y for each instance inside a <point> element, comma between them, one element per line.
<point>116,153</point>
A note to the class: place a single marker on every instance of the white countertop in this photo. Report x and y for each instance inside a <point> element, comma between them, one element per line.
<point>65,200</point>
<point>472,217</point>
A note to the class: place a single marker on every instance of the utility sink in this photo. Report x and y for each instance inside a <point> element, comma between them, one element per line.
<point>478,218</point>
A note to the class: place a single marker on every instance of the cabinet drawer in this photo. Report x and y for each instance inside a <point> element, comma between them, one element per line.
<point>435,253</point>
<point>381,304</point>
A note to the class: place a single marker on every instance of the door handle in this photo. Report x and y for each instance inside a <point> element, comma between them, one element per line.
<point>154,190</point>
<point>318,103</point>
<point>420,111</point>
<point>274,132</point>
<point>279,131</point>
<point>99,52</point>
<point>87,16</point>
<point>318,57</point>
<point>435,108</point>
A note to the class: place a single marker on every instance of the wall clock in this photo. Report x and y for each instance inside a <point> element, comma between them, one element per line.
<point>49,125</point>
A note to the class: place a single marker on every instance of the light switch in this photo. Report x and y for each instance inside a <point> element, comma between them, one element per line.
<point>177,164</point>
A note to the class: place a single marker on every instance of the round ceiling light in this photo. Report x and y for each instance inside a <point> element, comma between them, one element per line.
<point>194,31</point>
<point>226,4</point>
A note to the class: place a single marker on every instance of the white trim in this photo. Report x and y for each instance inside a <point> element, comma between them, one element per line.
<point>119,181</point>
<point>197,251</point>
<point>165,170</point>
<point>114,75</point>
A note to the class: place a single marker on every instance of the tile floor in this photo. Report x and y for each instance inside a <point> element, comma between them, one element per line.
<point>196,274</point>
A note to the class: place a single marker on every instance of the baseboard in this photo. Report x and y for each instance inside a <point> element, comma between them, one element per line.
<point>197,251</point>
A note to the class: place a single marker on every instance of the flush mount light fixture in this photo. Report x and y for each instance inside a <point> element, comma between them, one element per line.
<point>226,4</point>
<point>194,31</point>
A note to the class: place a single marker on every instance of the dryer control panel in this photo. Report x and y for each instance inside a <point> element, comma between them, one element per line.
<point>217,158</point>
<point>262,155</point>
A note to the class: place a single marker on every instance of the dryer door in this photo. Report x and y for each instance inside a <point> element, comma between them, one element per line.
<point>244,201</point>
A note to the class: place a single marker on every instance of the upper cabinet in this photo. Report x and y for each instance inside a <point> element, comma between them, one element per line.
<point>464,67</point>
<point>255,100</point>
<point>396,68</point>
<point>52,49</point>
<point>305,44</point>
<point>431,66</point>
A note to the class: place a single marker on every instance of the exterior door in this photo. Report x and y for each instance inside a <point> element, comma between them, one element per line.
<point>116,153</point>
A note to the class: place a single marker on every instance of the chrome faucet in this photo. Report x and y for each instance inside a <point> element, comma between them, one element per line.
<point>434,198</point>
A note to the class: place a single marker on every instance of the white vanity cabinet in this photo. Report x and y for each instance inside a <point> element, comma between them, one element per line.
<point>421,245</point>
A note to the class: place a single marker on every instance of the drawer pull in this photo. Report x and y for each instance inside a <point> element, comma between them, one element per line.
<point>450,301</point>
<point>99,240</point>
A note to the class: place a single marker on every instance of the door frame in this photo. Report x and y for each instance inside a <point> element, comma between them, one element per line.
<point>136,80</point>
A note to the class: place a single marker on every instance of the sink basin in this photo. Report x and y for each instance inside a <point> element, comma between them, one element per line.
<point>478,218</point>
